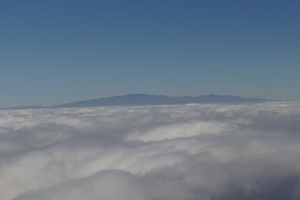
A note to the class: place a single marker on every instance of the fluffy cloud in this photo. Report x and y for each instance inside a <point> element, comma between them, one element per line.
<point>190,152</point>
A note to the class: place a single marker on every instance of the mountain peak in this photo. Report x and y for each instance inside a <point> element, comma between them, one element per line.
<point>138,99</point>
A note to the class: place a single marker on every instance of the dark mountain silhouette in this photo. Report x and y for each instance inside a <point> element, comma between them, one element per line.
<point>145,99</point>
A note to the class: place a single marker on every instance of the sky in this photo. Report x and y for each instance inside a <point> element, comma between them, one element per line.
<point>59,51</point>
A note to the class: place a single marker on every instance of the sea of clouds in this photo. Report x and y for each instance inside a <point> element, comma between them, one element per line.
<point>184,152</point>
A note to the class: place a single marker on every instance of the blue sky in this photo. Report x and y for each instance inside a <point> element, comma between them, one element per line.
<point>65,50</point>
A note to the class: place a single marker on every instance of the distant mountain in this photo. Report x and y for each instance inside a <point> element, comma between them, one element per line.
<point>145,99</point>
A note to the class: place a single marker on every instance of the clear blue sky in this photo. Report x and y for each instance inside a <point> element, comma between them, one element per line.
<point>59,51</point>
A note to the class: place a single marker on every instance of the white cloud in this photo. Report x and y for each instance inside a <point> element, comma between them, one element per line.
<point>153,152</point>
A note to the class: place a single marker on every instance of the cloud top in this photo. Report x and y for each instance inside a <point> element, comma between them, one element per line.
<point>189,152</point>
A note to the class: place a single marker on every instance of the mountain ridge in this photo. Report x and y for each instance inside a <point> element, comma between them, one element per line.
<point>145,99</point>
<point>139,99</point>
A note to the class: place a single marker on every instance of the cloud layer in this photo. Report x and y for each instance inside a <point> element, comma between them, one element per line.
<point>191,152</point>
